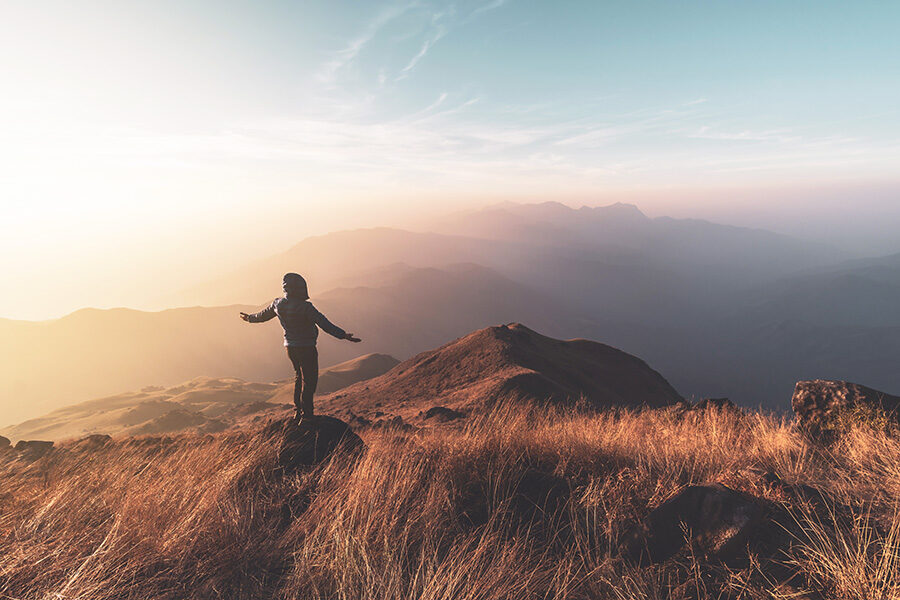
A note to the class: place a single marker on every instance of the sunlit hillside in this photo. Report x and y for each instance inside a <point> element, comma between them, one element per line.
<point>523,503</point>
<point>203,404</point>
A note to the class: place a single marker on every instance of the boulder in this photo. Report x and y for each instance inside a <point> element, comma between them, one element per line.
<point>801,492</point>
<point>356,421</point>
<point>4,443</point>
<point>442,414</point>
<point>824,408</point>
<point>33,449</point>
<point>312,442</point>
<point>539,495</point>
<point>715,519</point>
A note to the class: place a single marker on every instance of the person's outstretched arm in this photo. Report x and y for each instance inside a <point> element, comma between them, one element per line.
<point>329,327</point>
<point>262,316</point>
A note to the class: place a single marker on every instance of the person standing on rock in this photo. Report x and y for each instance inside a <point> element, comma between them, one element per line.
<point>299,319</point>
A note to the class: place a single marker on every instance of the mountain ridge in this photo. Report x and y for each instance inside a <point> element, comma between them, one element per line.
<point>506,363</point>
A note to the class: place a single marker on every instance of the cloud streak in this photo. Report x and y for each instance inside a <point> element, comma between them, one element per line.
<point>456,145</point>
<point>404,72</point>
<point>329,70</point>
<point>488,7</point>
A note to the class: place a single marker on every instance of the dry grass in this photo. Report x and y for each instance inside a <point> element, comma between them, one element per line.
<point>521,504</point>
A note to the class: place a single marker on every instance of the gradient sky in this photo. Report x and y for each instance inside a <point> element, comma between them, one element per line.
<point>145,144</point>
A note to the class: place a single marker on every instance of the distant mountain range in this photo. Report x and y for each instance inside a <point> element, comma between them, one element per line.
<point>723,311</point>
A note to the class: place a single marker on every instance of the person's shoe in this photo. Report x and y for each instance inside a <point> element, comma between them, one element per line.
<point>306,420</point>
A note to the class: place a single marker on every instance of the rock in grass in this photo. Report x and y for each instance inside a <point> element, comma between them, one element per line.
<point>442,414</point>
<point>312,442</point>
<point>718,522</point>
<point>33,449</point>
<point>824,408</point>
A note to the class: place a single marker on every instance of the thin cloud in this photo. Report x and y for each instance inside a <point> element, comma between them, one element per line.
<point>489,7</point>
<point>404,72</point>
<point>774,135</point>
<point>432,106</point>
<point>450,111</point>
<point>328,72</point>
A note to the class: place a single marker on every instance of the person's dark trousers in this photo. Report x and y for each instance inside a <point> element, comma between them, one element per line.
<point>306,366</point>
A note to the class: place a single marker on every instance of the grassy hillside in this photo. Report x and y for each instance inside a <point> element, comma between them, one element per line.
<point>520,504</point>
<point>206,404</point>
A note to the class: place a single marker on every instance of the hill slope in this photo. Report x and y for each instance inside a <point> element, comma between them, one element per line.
<point>524,504</point>
<point>203,404</point>
<point>506,363</point>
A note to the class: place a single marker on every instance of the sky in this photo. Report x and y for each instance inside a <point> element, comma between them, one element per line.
<point>144,145</point>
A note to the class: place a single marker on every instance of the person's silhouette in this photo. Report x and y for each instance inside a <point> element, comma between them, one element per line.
<point>299,319</point>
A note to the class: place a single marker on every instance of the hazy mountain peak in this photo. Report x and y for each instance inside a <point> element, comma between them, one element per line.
<point>619,209</point>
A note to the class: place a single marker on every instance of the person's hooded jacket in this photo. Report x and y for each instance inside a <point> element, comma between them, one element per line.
<point>298,317</point>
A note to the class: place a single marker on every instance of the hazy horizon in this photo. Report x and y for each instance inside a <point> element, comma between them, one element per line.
<point>140,289</point>
<point>137,137</point>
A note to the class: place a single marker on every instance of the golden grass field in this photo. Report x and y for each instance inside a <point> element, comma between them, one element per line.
<point>521,503</point>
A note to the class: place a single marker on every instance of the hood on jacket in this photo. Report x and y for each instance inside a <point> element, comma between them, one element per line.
<point>294,286</point>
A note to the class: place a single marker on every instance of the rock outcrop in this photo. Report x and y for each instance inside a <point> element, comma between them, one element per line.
<point>442,414</point>
<point>312,442</point>
<point>825,407</point>
<point>33,449</point>
<point>4,443</point>
<point>507,363</point>
<point>716,520</point>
